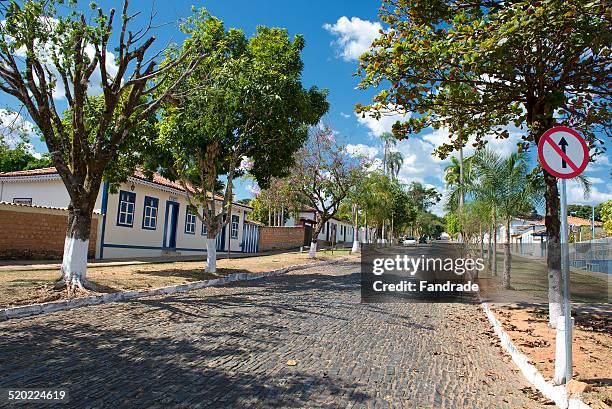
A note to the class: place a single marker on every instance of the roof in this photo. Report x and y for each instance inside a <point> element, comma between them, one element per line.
<point>32,172</point>
<point>157,179</point>
<point>576,221</point>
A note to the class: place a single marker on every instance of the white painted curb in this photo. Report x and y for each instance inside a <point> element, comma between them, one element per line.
<point>34,309</point>
<point>556,393</point>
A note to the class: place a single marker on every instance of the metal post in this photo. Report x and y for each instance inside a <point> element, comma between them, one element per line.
<point>566,284</point>
<point>593,222</point>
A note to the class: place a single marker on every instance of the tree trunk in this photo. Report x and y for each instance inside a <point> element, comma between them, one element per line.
<point>211,254</point>
<point>494,251</point>
<point>76,245</point>
<point>490,248</point>
<point>312,252</point>
<point>355,248</point>
<point>553,243</point>
<point>507,259</point>
<point>481,242</point>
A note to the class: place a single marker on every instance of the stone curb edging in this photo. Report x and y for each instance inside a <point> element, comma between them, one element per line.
<point>556,393</point>
<point>43,308</point>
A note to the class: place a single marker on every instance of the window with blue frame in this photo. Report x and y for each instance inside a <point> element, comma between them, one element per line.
<point>235,223</point>
<point>190,220</point>
<point>204,229</point>
<point>127,204</point>
<point>149,214</point>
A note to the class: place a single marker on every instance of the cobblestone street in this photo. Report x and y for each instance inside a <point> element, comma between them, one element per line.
<point>229,347</point>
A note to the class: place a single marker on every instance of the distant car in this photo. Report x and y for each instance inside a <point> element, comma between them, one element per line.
<point>422,240</point>
<point>409,241</point>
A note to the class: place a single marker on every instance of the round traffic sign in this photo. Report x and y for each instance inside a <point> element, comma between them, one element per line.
<point>563,152</point>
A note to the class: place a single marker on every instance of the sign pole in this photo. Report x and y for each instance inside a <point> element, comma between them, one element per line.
<point>566,284</point>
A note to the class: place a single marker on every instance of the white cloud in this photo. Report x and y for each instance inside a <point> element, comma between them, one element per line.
<point>354,36</point>
<point>379,126</point>
<point>15,129</point>
<point>575,194</point>
<point>361,149</point>
<point>345,115</point>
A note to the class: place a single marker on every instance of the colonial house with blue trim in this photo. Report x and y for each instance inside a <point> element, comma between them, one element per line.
<point>145,218</point>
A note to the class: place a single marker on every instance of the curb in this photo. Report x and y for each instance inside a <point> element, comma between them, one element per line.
<point>556,393</point>
<point>53,306</point>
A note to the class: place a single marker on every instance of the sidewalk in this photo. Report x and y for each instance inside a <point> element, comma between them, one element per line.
<point>30,265</point>
<point>27,284</point>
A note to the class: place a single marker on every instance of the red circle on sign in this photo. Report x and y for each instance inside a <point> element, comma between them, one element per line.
<point>548,168</point>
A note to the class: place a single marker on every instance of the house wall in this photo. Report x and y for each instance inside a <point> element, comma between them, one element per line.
<point>44,191</point>
<point>276,238</point>
<point>35,233</point>
<point>342,236</point>
<point>136,241</point>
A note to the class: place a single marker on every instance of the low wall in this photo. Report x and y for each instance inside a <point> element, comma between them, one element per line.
<point>277,238</point>
<point>30,232</point>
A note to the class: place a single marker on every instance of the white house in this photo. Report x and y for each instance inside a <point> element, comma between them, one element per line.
<point>145,218</point>
<point>340,229</point>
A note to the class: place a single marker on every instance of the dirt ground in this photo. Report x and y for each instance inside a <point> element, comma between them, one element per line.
<point>33,286</point>
<point>527,325</point>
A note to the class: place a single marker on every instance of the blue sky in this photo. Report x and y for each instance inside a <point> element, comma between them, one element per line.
<point>336,32</point>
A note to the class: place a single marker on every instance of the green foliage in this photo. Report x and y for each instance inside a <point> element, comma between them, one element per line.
<point>20,158</point>
<point>476,69</point>
<point>244,102</point>
<point>584,211</point>
<point>606,216</point>
<point>453,226</point>
<point>278,201</point>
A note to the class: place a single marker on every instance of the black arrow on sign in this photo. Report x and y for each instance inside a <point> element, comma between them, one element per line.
<point>563,144</point>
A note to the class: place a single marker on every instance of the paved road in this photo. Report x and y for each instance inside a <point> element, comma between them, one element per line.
<point>229,347</point>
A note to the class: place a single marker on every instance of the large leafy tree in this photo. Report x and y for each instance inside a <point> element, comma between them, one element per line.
<point>245,104</point>
<point>41,49</point>
<point>324,175</point>
<point>477,67</point>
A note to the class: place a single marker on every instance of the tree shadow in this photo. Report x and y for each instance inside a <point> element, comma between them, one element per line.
<point>276,296</point>
<point>117,367</point>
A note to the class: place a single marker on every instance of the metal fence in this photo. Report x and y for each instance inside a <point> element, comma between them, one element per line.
<point>590,255</point>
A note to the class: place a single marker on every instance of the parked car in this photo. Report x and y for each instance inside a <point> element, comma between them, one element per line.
<point>409,241</point>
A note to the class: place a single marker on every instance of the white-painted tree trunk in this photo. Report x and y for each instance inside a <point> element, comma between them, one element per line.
<point>312,253</point>
<point>74,262</point>
<point>211,255</point>
<point>355,248</point>
<point>555,298</point>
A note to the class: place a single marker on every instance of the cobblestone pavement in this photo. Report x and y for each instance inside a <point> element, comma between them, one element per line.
<point>229,347</point>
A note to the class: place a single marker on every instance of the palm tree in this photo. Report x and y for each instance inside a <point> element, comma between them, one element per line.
<point>395,160</point>
<point>388,141</point>
<point>452,177</point>
<point>505,184</point>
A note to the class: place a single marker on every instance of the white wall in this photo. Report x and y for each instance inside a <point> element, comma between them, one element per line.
<point>46,192</point>
<point>340,238</point>
<point>118,239</point>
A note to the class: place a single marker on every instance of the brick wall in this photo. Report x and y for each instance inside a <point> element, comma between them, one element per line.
<point>276,238</point>
<point>36,233</point>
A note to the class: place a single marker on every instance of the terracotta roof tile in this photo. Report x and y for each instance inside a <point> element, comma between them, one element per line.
<point>32,172</point>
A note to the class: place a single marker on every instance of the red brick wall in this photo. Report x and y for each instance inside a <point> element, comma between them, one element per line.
<point>276,238</point>
<point>34,233</point>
